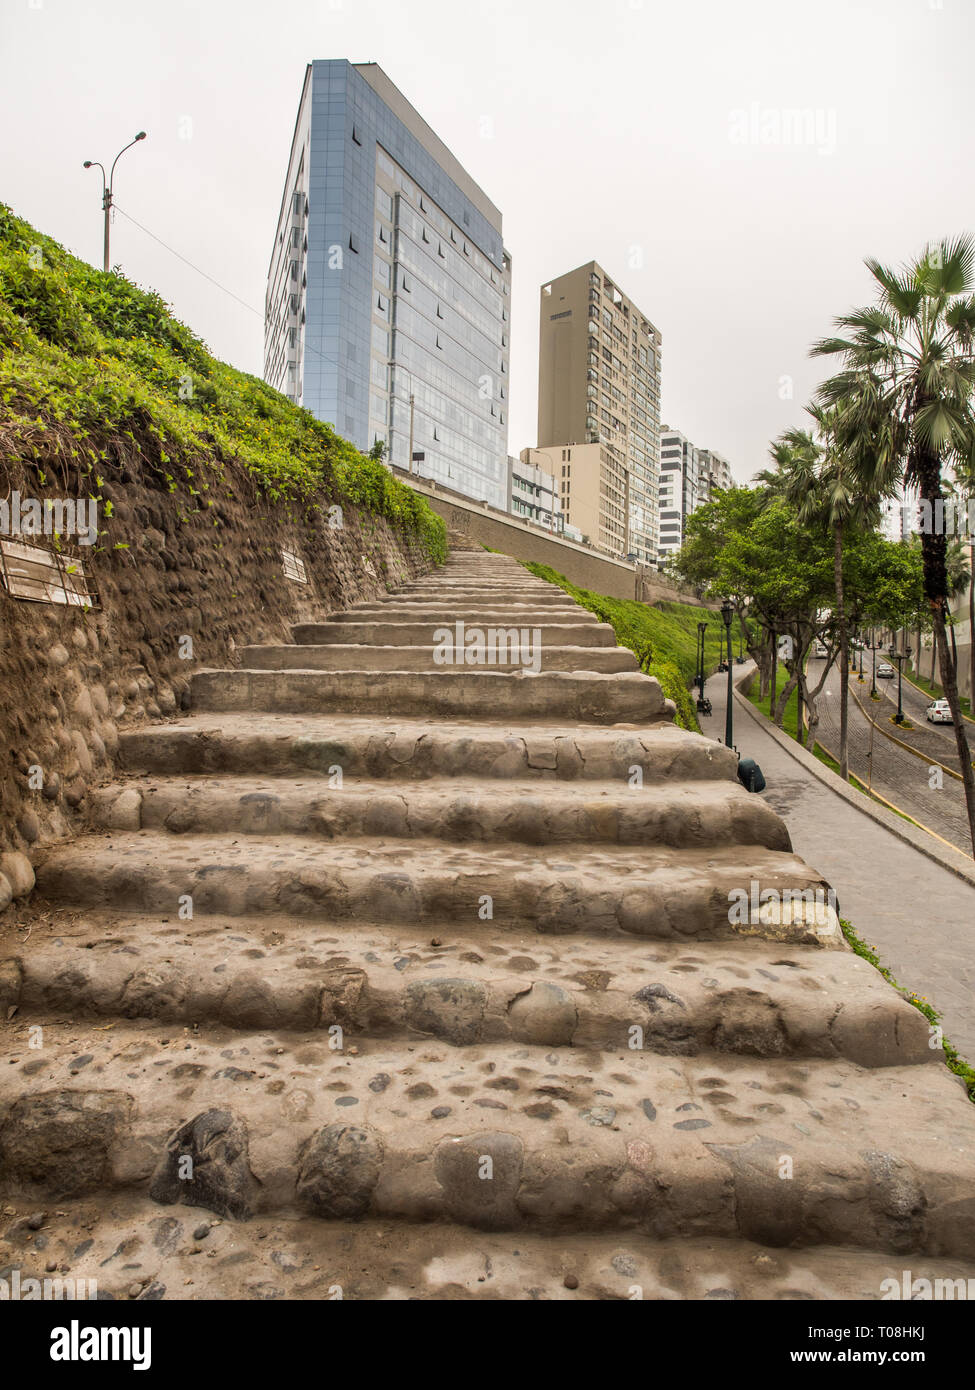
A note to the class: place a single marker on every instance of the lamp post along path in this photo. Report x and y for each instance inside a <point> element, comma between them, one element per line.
<point>107,187</point>
<point>727,611</point>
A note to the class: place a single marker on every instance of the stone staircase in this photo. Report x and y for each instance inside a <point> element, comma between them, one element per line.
<point>366,943</point>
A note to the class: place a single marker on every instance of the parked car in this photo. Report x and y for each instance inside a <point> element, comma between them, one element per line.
<point>939,712</point>
<point>885,671</point>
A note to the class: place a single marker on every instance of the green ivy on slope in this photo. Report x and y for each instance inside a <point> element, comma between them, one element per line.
<point>87,358</point>
<point>664,639</point>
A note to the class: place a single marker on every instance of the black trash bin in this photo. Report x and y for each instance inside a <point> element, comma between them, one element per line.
<point>750,775</point>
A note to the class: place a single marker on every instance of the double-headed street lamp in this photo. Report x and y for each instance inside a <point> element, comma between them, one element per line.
<point>701,630</point>
<point>900,658</point>
<point>727,612</point>
<point>874,647</point>
<point>107,186</point>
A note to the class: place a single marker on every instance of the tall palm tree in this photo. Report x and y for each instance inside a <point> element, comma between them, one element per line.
<point>908,360</point>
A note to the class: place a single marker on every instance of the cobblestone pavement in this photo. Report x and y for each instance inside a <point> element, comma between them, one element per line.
<point>908,782</point>
<point>918,915</point>
<point>936,741</point>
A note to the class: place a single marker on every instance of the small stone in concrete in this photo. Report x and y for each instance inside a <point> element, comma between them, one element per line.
<point>206,1164</point>
<point>339,1170</point>
<point>545,1015</point>
<point>126,811</point>
<point>18,871</point>
<point>480,1175</point>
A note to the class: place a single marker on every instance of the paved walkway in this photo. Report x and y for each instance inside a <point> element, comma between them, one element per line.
<point>918,915</point>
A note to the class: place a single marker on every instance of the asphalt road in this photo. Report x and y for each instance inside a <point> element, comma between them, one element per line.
<point>913,784</point>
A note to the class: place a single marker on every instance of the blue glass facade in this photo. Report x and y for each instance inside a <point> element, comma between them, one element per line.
<point>388,279</point>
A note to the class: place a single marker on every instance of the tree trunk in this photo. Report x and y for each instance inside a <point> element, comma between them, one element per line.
<point>926,466</point>
<point>971,630</point>
<point>783,700</point>
<point>775,671</point>
<point>949,685</point>
<point>844,652</point>
<point>934,654</point>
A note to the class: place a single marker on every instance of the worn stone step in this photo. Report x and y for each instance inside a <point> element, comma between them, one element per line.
<point>385,634</point>
<point>477,595</point>
<point>119,1240</point>
<point>656,892</point>
<point>408,750</point>
<point>748,997</point>
<point>488,583</point>
<point>502,1137</point>
<point>526,813</point>
<point>443,612</point>
<point>506,652</point>
<point>589,697</point>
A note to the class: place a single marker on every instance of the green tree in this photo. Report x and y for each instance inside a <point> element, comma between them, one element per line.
<point>821,480</point>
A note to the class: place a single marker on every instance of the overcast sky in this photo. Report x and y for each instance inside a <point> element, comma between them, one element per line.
<point>653,137</point>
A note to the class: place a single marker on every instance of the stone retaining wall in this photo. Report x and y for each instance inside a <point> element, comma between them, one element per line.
<point>173,577</point>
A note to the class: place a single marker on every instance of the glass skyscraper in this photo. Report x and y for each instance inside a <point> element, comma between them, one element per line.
<point>389,279</point>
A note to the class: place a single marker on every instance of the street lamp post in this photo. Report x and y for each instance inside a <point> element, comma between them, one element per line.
<point>874,646</point>
<point>107,183</point>
<point>701,630</point>
<point>900,658</point>
<point>727,610</point>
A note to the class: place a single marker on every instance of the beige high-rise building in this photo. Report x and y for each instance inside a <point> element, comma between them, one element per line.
<point>593,490</point>
<point>599,364</point>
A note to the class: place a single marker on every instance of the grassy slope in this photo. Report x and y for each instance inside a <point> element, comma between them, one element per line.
<point>86,357</point>
<point>664,639</point>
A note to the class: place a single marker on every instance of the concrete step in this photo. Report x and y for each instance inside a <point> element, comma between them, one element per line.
<point>129,1239</point>
<point>447,613</point>
<point>748,998</point>
<point>414,749</point>
<point>474,595</point>
<point>628,697</point>
<point>656,892</point>
<point>458,811</point>
<point>391,634</point>
<point>785,1153</point>
<point>505,652</point>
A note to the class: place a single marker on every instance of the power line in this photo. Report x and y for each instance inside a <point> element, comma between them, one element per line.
<point>308,347</point>
<point>188,262</point>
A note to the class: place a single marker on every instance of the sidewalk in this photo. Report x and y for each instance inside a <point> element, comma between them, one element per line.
<point>919,915</point>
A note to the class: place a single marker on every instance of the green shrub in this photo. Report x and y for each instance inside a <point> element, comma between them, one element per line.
<point>663,639</point>
<point>90,357</point>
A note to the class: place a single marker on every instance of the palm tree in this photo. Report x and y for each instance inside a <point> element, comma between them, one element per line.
<point>908,362</point>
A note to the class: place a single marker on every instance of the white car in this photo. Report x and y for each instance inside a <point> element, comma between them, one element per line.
<point>885,671</point>
<point>939,712</point>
